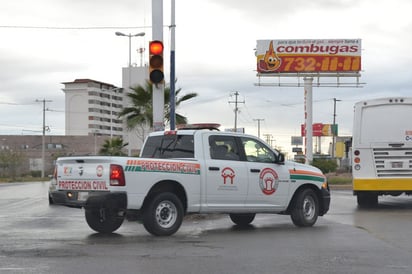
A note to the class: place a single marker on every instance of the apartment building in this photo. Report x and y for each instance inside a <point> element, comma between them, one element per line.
<point>92,108</point>
<point>91,116</point>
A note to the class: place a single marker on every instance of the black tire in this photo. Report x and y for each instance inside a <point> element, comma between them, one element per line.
<point>242,219</point>
<point>103,220</point>
<point>163,215</point>
<point>305,209</point>
<point>50,200</point>
<point>367,200</point>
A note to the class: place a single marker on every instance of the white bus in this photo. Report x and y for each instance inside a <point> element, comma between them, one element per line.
<point>382,149</point>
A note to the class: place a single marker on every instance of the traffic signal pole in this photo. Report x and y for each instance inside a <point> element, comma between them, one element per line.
<point>172,69</point>
<point>158,89</point>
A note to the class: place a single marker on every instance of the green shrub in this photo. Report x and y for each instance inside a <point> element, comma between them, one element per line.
<point>325,165</point>
<point>35,173</point>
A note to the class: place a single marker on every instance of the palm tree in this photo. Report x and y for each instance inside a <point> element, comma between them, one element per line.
<point>140,114</point>
<point>180,119</point>
<point>113,147</point>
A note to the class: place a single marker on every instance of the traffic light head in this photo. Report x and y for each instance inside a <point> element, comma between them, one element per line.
<point>156,74</point>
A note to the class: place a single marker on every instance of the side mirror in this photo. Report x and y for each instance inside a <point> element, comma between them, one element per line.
<point>281,159</point>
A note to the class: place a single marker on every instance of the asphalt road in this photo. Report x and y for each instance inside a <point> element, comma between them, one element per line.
<point>38,238</point>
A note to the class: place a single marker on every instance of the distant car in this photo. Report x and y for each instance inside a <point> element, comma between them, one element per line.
<point>52,187</point>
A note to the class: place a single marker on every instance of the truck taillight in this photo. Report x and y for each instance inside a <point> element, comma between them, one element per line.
<point>117,176</point>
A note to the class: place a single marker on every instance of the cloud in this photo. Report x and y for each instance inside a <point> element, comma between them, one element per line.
<point>215,41</point>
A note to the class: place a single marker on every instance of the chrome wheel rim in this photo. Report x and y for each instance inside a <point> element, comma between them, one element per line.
<point>309,208</point>
<point>166,214</point>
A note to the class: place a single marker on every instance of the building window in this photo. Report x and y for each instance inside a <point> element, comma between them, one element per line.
<point>54,146</point>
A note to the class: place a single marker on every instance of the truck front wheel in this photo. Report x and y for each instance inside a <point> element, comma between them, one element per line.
<point>163,215</point>
<point>103,220</point>
<point>242,219</point>
<point>305,209</point>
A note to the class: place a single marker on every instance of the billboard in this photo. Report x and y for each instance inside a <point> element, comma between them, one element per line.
<point>308,56</point>
<point>319,129</point>
<point>296,141</point>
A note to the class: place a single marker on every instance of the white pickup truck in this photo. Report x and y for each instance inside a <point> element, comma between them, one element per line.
<point>190,172</point>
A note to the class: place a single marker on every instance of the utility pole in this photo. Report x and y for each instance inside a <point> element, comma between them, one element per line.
<point>258,120</point>
<point>43,146</point>
<point>236,102</point>
<point>269,139</point>
<point>334,127</point>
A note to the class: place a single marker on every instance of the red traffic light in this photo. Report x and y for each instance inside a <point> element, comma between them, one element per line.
<point>156,74</point>
<point>156,47</point>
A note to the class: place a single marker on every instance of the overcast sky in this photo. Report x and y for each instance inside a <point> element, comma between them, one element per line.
<point>47,42</point>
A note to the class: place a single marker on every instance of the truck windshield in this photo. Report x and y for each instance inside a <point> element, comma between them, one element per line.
<point>169,146</point>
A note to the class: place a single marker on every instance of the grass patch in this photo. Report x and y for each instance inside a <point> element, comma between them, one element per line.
<point>339,179</point>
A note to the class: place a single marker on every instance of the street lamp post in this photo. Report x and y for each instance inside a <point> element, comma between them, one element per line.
<point>118,33</point>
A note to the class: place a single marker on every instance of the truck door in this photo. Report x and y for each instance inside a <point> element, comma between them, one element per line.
<point>226,178</point>
<point>268,181</point>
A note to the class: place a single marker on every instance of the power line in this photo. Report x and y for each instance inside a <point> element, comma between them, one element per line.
<point>15,104</point>
<point>72,28</point>
<point>77,28</point>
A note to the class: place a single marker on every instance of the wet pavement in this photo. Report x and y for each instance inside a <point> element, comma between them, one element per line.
<point>38,238</point>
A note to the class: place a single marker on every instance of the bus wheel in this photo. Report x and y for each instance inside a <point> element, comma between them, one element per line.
<point>366,200</point>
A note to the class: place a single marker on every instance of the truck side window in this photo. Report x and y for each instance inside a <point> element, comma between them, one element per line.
<point>169,146</point>
<point>257,152</point>
<point>223,148</point>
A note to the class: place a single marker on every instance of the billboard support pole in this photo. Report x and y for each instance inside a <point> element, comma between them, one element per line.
<point>308,81</point>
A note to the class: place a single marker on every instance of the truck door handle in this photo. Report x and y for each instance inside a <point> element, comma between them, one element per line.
<point>255,170</point>
<point>213,168</point>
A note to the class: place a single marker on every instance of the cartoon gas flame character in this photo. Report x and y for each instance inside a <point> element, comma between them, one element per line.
<point>270,62</point>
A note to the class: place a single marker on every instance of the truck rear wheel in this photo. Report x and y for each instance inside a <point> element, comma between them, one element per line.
<point>103,220</point>
<point>305,209</point>
<point>242,219</point>
<point>163,215</point>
